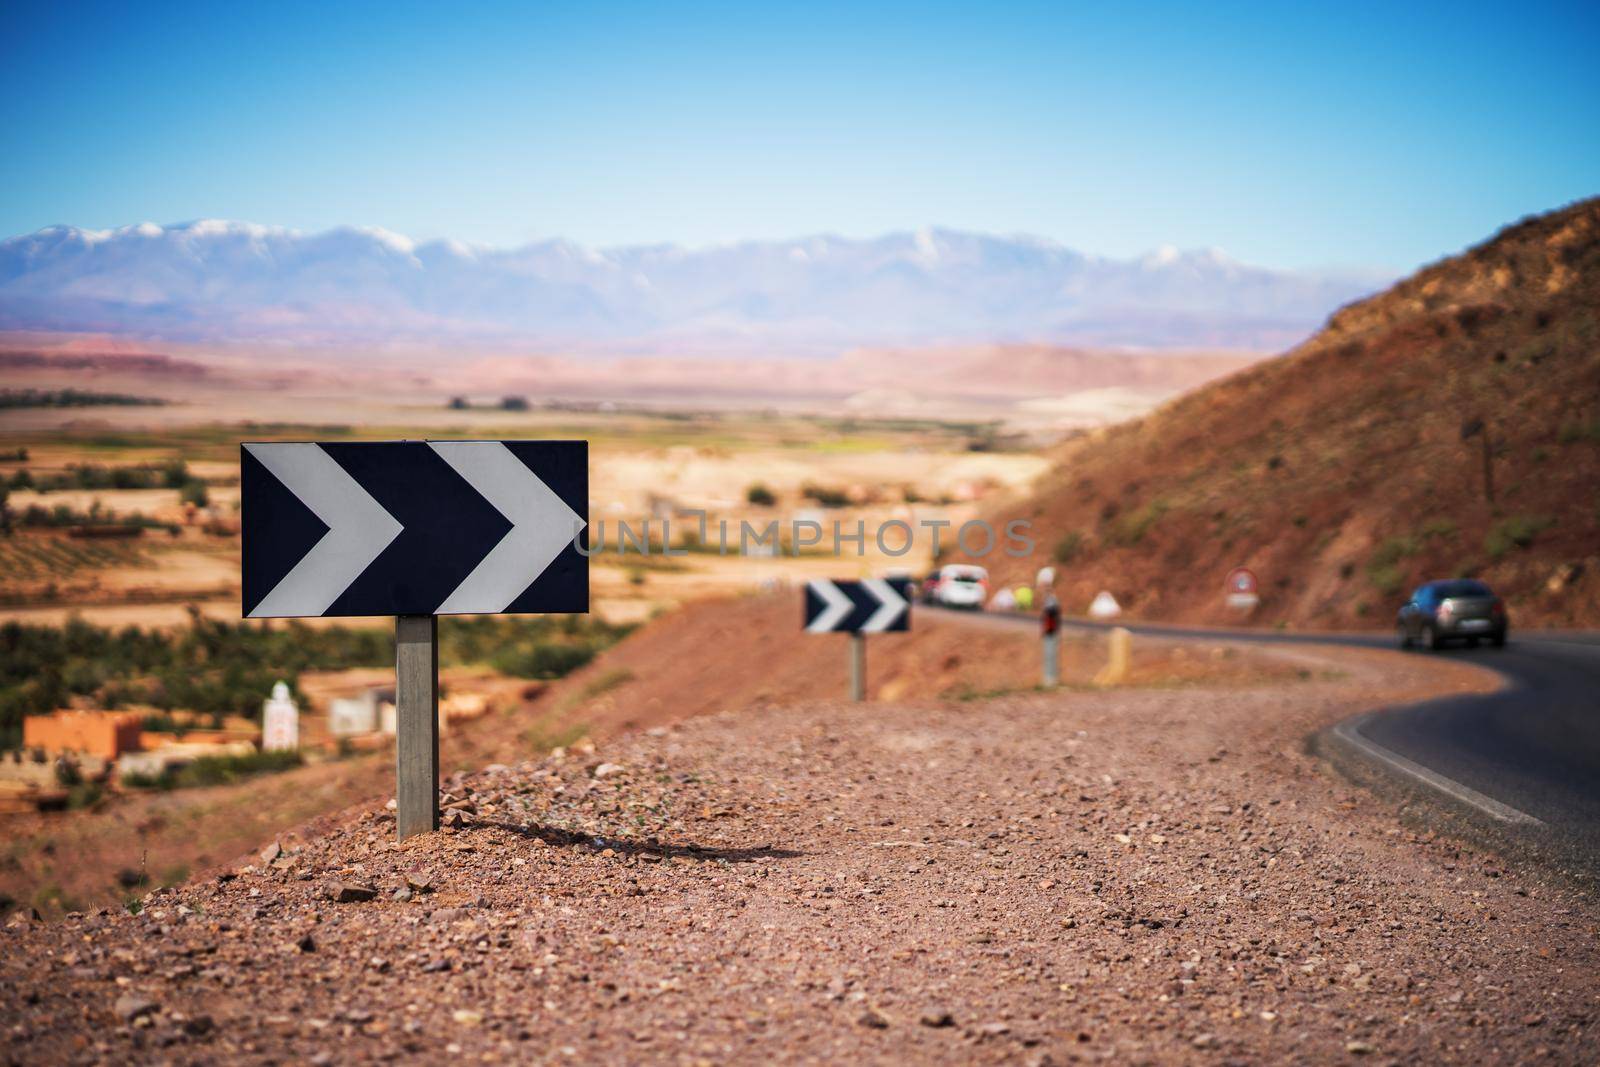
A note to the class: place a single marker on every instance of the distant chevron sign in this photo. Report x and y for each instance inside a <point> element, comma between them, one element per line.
<point>414,527</point>
<point>870,606</point>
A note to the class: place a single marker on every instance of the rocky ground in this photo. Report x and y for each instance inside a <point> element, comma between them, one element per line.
<point>1131,875</point>
<point>675,668</point>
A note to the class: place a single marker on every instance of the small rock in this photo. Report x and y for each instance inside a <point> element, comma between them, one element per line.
<point>306,944</point>
<point>402,894</point>
<point>351,893</point>
<point>418,882</point>
<point>1357,1048</point>
<point>1205,1041</point>
<point>270,853</point>
<point>467,1017</point>
<point>130,1007</point>
<point>874,1018</point>
<point>937,1019</point>
<point>608,770</point>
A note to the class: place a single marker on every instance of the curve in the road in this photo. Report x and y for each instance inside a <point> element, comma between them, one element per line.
<point>1531,747</point>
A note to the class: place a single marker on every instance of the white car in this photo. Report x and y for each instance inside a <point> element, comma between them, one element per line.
<point>961,585</point>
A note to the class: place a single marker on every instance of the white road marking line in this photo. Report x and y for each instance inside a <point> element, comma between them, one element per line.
<point>1348,733</point>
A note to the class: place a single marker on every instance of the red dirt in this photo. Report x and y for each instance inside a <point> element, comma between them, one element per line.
<point>721,655</point>
<point>685,664</point>
<point>1154,876</point>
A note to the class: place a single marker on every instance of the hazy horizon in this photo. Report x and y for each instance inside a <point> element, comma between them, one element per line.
<point>1297,139</point>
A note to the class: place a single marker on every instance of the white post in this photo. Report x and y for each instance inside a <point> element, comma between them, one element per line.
<point>1050,634</point>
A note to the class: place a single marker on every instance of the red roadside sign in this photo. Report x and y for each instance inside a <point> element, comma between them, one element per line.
<point>1241,580</point>
<point>1241,589</point>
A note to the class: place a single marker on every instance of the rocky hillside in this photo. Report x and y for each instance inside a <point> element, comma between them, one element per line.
<point>1355,466</point>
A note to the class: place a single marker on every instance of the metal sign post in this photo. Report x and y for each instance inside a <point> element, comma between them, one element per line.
<point>416,735</point>
<point>414,529</point>
<point>858,667</point>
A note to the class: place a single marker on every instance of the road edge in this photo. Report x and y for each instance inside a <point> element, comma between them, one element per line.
<point>1347,735</point>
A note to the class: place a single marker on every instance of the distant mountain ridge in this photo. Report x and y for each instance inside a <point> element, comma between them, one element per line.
<point>213,280</point>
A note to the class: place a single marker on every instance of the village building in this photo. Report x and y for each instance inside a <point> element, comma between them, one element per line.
<point>104,735</point>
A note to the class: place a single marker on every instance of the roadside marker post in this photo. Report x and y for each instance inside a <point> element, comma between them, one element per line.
<point>868,606</point>
<point>1050,634</point>
<point>1119,658</point>
<point>414,529</point>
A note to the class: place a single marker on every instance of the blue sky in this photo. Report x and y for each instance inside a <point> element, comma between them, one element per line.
<point>1290,135</point>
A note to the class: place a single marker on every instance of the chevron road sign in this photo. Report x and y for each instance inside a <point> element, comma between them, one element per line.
<point>870,606</point>
<point>413,527</point>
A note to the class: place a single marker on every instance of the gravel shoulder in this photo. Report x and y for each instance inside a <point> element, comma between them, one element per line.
<point>1156,875</point>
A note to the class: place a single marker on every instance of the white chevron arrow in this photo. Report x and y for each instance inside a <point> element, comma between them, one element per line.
<point>542,525</point>
<point>838,606</point>
<point>358,529</point>
<point>890,606</point>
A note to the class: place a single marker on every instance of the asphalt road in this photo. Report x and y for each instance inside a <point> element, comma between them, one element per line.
<point>1524,761</point>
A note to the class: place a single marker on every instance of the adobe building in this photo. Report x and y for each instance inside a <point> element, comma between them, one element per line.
<point>102,734</point>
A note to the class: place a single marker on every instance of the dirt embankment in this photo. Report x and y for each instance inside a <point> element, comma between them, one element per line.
<point>749,651</point>
<point>707,657</point>
<point>1152,876</point>
<point>1351,469</point>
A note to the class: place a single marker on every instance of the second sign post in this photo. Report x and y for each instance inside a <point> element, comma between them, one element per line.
<point>858,608</point>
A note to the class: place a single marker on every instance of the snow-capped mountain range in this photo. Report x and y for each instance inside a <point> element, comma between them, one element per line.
<point>233,281</point>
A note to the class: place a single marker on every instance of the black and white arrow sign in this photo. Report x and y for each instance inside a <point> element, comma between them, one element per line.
<point>414,527</point>
<point>870,606</point>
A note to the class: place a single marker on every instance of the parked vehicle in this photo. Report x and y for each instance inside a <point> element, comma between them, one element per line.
<point>961,585</point>
<point>1457,609</point>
